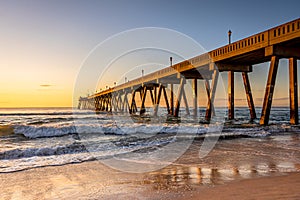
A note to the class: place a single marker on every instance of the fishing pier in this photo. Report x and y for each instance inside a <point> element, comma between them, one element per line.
<point>281,42</point>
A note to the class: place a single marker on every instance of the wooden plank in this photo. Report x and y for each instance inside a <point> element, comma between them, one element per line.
<point>187,110</point>
<point>211,98</point>
<point>123,105</point>
<point>96,103</point>
<point>110,104</point>
<point>294,118</point>
<point>123,102</point>
<point>249,95</point>
<point>143,109</point>
<point>105,104</point>
<point>155,93</point>
<point>230,95</point>
<point>132,107</point>
<point>179,95</point>
<point>166,100</point>
<point>119,102</point>
<point>152,98</point>
<point>265,114</point>
<point>195,95</point>
<point>88,105</point>
<point>101,104</point>
<point>157,100</point>
<point>172,99</point>
<point>141,92</point>
<point>135,107</point>
<point>84,105</point>
<point>207,87</point>
<point>114,102</point>
<point>126,103</point>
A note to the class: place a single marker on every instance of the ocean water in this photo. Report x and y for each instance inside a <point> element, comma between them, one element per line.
<point>38,137</point>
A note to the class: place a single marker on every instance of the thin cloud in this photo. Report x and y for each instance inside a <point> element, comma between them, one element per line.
<point>46,85</point>
<point>47,88</point>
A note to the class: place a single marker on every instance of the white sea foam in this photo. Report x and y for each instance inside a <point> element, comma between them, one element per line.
<point>43,131</point>
<point>59,138</point>
<point>31,131</point>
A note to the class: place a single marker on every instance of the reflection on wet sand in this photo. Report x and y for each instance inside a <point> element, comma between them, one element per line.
<point>241,159</point>
<point>177,176</point>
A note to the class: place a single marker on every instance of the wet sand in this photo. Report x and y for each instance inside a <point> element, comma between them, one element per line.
<point>93,180</point>
<point>274,187</point>
<point>266,168</point>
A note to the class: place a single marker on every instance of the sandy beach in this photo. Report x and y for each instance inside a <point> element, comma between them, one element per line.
<point>93,180</point>
<point>232,170</point>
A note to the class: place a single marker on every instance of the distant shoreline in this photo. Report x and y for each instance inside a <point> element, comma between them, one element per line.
<point>202,107</point>
<point>37,107</point>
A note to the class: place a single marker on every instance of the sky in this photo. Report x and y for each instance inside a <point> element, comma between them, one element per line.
<point>45,43</point>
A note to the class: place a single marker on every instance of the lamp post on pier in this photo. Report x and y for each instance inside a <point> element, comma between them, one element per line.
<point>229,36</point>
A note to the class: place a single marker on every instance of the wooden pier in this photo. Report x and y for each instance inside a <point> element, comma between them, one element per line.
<point>281,42</point>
